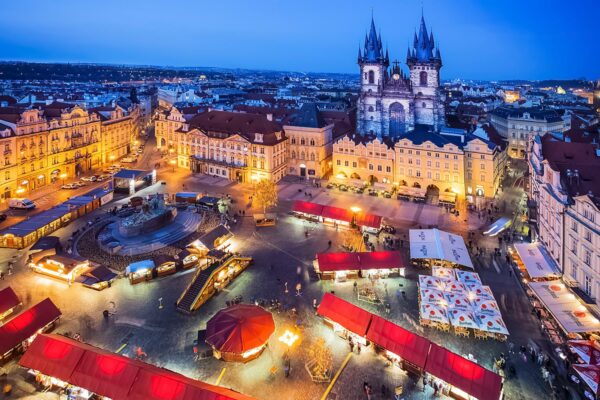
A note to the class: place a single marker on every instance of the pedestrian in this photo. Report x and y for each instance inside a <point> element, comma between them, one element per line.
<point>358,348</point>
<point>369,391</point>
<point>315,304</point>
<point>424,382</point>
<point>355,287</point>
<point>351,344</point>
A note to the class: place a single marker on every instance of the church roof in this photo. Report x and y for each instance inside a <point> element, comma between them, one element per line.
<point>424,49</point>
<point>308,116</point>
<point>373,47</point>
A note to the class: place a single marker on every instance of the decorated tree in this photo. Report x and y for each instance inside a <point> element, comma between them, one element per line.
<point>266,194</point>
<point>320,361</point>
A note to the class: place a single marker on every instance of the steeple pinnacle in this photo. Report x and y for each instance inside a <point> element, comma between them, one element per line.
<point>373,49</point>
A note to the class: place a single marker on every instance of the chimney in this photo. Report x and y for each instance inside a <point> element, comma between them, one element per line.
<point>269,117</point>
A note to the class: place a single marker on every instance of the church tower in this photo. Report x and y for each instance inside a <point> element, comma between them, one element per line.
<point>373,69</point>
<point>424,61</point>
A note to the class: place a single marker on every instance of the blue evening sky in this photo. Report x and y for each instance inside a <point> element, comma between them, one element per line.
<point>480,39</point>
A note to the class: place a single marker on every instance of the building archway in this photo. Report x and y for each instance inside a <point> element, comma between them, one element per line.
<point>417,185</point>
<point>163,142</point>
<point>302,170</point>
<point>479,192</point>
<point>341,175</point>
<point>355,176</point>
<point>432,195</point>
<point>402,183</point>
<point>397,122</point>
<point>373,179</point>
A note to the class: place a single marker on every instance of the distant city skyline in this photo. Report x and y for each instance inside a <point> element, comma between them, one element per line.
<point>478,40</point>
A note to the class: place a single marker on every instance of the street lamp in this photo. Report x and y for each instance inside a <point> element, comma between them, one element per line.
<point>172,162</point>
<point>63,177</point>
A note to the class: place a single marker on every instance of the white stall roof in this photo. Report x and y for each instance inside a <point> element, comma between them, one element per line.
<point>537,263</point>
<point>562,303</point>
<point>439,245</point>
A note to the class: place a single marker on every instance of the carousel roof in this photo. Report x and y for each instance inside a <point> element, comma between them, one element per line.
<point>239,328</point>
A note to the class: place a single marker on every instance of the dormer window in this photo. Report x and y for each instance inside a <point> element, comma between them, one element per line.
<point>258,137</point>
<point>278,135</point>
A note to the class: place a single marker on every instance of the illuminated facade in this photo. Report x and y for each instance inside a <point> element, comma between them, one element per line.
<point>237,146</point>
<point>449,161</point>
<point>44,145</point>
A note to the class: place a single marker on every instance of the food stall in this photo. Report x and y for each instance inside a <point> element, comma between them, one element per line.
<point>240,332</point>
<point>401,346</point>
<point>90,372</point>
<point>61,266</point>
<point>97,277</point>
<point>139,271</point>
<point>346,319</point>
<point>17,333</point>
<point>342,266</point>
<point>164,265</point>
<point>187,259</point>
<point>8,302</point>
<point>217,238</point>
<point>534,262</point>
<point>461,378</point>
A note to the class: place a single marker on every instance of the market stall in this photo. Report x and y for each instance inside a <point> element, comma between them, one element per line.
<point>87,371</point>
<point>573,317</point>
<point>533,260</point>
<point>61,266</point>
<point>588,351</point>
<point>438,248</point>
<point>337,216</point>
<point>139,271</point>
<point>217,238</point>
<point>346,319</point>
<point>17,333</point>
<point>188,259</point>
<point>8,302</point>
<point>342,266</point>
<point>164,265</point>
<point>239,332</point>
<point>401,346</point>
<point>97,277</point>
<point>461,378</point>
<point>590,374</point>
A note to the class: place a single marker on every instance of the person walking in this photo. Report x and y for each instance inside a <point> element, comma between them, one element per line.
<point>351,344</point>
<point>358,348</point>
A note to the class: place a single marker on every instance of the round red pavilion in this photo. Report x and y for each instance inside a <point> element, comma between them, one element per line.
<point>240,332</point>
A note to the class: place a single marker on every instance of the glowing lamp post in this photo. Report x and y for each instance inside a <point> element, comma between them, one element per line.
<point>172,162</point>
<point>63,177</point>
<point>355,210</point>
<point>289,338</point>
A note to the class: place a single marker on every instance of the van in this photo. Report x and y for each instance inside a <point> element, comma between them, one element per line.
<point>24,204</point>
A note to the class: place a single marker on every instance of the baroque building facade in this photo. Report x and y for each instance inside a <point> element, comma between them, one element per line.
<point>45,144</point>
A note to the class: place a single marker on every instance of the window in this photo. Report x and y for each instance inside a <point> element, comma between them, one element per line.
<point>339,162</point>
<point>574,226</point>
<point>312,142</point>
<point>379,168</point>
<point>587,258</point>
<point>345,163</point>
<point>587,285</point>
<point>423,79</point>
<point>353,164</point>
<point>482,166</point>
<point>588,236</point>
<point>418,173</point>
<point>371,77</point>
<point>482,178</point>
<point>371,167</point>
<point>388,169</point>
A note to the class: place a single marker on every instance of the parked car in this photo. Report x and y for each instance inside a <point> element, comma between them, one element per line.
<point>372,192</point>
<point>387,195</point>
<point>21,203</point>
<point>2,217</point>
<point>69,186</point>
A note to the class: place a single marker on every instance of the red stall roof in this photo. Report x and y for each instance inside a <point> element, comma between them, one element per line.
<point>338,214</point>
<point>338,261</point>
<point>406,344</point>
<point>329,262</point>
<point>26,324</point>
<point>464,374</point>
<point>8,299</point>
<point>369,220</point>
<point>380,259</point>
<point>115,376</point>
<point>307,207</point>
<point>351,317</point>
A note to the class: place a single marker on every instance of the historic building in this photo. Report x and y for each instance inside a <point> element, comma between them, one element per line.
<point>310,143</point>
<point>401,138</point>
<point>519,124</point>
<point>237,146</point>
<point>565,207</point>
<point>44,144</point>
<point>392,103</point>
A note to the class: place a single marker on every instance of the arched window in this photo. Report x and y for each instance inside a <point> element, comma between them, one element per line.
<point>424,105</point>
<point>312,156</point>
<point>371,108</point>
<point>423,78</point>
<point>312,142</point>
<point>366,76</point>
<point>371,76</point>
<point>397,119</point>
<point>302,156</point>
<point>293,154</point>
<point>302,141</point>
<point>293,140</point>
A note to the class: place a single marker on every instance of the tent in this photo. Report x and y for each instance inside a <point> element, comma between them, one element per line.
<point>441,272</point>
<point>114,376</point>
<point>399,341</point>
<point>349,316</point>
<point>468,277</point>
<point>477,290</point>
<point>537,262</point>
<point>463,374</point>
<point>590,375</point>
<point>458,301</point>
<point>455,287</point>
<point>439,245</point>
<point>434,313</point>
<point>240,332</point>
<point>463,318</point>
<point>432,282</point>
<point>140,266</point>
<point>485,306</point>
<point>492,323</point>
<point>587,350</point>
<point>432,296</point>
<point>8,301</point>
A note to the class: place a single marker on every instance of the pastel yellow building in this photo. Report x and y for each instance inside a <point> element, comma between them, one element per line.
<point>45,144</point>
